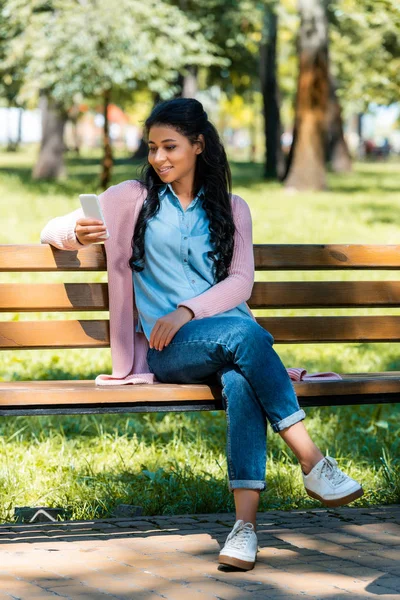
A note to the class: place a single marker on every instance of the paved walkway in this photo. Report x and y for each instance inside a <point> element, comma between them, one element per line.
<point>346,553</point>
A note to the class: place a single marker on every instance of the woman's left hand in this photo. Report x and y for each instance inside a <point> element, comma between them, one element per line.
<point>166,327</point>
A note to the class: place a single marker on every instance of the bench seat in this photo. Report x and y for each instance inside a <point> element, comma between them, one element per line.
<point>79,397</point>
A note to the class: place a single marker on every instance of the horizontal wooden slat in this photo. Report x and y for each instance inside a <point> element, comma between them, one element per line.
<point>16,297</point>
<point>303,257</point>
<point>33,297</point>
<point>329,294</point>
<point>72,392</point>
<point>85,392</point>
<point>298,330</point>
<point>288,330</point>
<point>42,257</point>
<point>54,334</point>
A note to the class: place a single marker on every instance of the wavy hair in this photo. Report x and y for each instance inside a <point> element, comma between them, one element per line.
<point>188,117</point>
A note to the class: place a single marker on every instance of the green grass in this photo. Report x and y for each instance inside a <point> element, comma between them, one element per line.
<point>175,463</point>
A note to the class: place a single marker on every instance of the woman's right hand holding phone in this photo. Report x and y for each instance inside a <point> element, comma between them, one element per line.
<point>90,231</point>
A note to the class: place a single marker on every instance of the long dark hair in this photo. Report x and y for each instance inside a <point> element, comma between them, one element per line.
<point>188,117</point>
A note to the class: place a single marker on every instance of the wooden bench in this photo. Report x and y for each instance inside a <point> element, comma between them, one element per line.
<point>72,397</point>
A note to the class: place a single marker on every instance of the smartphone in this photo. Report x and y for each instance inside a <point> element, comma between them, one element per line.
<point>92,209</point>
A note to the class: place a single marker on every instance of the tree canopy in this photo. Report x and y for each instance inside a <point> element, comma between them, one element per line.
<point>78,49</point>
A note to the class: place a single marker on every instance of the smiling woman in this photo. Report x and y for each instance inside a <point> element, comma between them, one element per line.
<point>189,276</point>
<point>174,162</point>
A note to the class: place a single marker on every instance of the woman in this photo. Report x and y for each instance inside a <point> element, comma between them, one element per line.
<point>188,271</point>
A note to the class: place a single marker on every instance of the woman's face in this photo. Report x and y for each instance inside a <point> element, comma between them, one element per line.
<point>171,154</point>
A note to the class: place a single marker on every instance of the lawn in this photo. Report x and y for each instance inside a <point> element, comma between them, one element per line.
<point>175,463</point>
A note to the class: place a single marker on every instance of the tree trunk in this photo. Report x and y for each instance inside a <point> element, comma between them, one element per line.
<point>307,170</point>
<point>13,145</point>
<point>188,85</point>
<point>19,135</point>
<point>107,163</point>
<point>361,149</point>
<point>269,86</point>
<point>189,89</point>
<point>50,163</point>
<point>73,116</point>
<point>142,150</point>
<point>338,154</point>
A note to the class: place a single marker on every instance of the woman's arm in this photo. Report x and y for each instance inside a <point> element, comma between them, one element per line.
<point>237,287</point>
<point>60,231</point>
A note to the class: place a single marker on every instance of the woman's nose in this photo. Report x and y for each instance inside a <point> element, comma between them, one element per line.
<point>159,156</point>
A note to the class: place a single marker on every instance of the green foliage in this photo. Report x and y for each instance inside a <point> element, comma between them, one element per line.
<point>365,50</point>
<point>175,463</point>
<point>80,49</point>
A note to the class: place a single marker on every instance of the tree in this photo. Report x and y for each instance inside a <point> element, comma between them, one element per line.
<point>10,83</point>
<point>75,49</point>
<point>338,154</point>
<point>270,92</point>
<point>365,51</point>
<point>307,169</point>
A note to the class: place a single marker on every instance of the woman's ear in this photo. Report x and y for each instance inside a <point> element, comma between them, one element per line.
<point>201,144</point>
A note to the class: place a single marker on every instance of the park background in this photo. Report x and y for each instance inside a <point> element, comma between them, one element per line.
<point>305,96</point>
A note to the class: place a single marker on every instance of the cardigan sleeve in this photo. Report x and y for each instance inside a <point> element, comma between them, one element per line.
<point>237,287</point>
<point>60,231</point>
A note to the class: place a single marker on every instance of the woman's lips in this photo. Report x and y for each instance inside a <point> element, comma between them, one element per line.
<point>162,171</point>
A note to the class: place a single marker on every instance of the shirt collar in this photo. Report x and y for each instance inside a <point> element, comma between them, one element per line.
<point>168,187</point>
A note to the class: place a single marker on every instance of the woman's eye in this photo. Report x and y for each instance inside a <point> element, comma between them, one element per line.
<point>152,149</point>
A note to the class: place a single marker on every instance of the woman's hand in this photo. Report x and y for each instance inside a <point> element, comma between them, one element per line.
<point>166,327</point>
<point>90,231</point>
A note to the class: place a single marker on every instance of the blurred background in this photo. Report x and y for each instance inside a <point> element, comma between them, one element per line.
<point>306,97</point>
<point>77,78</point>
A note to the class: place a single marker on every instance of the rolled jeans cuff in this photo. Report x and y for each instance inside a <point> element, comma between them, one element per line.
<point>295,417</point>
<point>249,484</point>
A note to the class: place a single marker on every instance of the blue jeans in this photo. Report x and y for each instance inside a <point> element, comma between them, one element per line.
<point>237,354</point>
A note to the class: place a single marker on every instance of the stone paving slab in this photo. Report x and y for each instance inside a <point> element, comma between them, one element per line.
<point>321,554</point>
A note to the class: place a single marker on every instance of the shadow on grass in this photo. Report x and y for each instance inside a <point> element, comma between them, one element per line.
<point>84,176</point>
<point>372,180</point>
<point>85,173</point>
<point>371,213</point>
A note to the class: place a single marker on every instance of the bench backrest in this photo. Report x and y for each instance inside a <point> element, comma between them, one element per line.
<point>287,295</point>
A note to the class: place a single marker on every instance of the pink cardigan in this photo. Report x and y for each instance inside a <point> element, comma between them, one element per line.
<point>121,205</point>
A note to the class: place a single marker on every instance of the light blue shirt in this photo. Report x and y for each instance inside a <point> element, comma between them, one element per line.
<point>176,267</point>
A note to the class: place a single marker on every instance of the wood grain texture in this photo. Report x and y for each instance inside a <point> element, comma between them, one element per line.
<point>302,330</point>
<point>285,330</point>
<point>21,393</point>
<point>43,257</point>
<point>303,257</point>
<point>59,297</point>
<point>54,334</point>
<point>45,297</point>
<point>327,294</point>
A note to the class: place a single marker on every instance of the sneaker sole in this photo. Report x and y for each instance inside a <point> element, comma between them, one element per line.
<point>231,561</point>
<point>337,501</point>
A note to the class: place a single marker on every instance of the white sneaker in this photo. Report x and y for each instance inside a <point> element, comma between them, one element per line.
<point>240,547</point>
<point>327,483</point>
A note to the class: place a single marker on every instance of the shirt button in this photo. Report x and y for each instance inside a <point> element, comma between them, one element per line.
<point>185,260</point>
<point>185,238</point>
<point>192,280</point>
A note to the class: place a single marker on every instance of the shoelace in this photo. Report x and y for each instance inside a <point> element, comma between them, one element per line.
<point>239,537</point>
<point>332,472</point>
